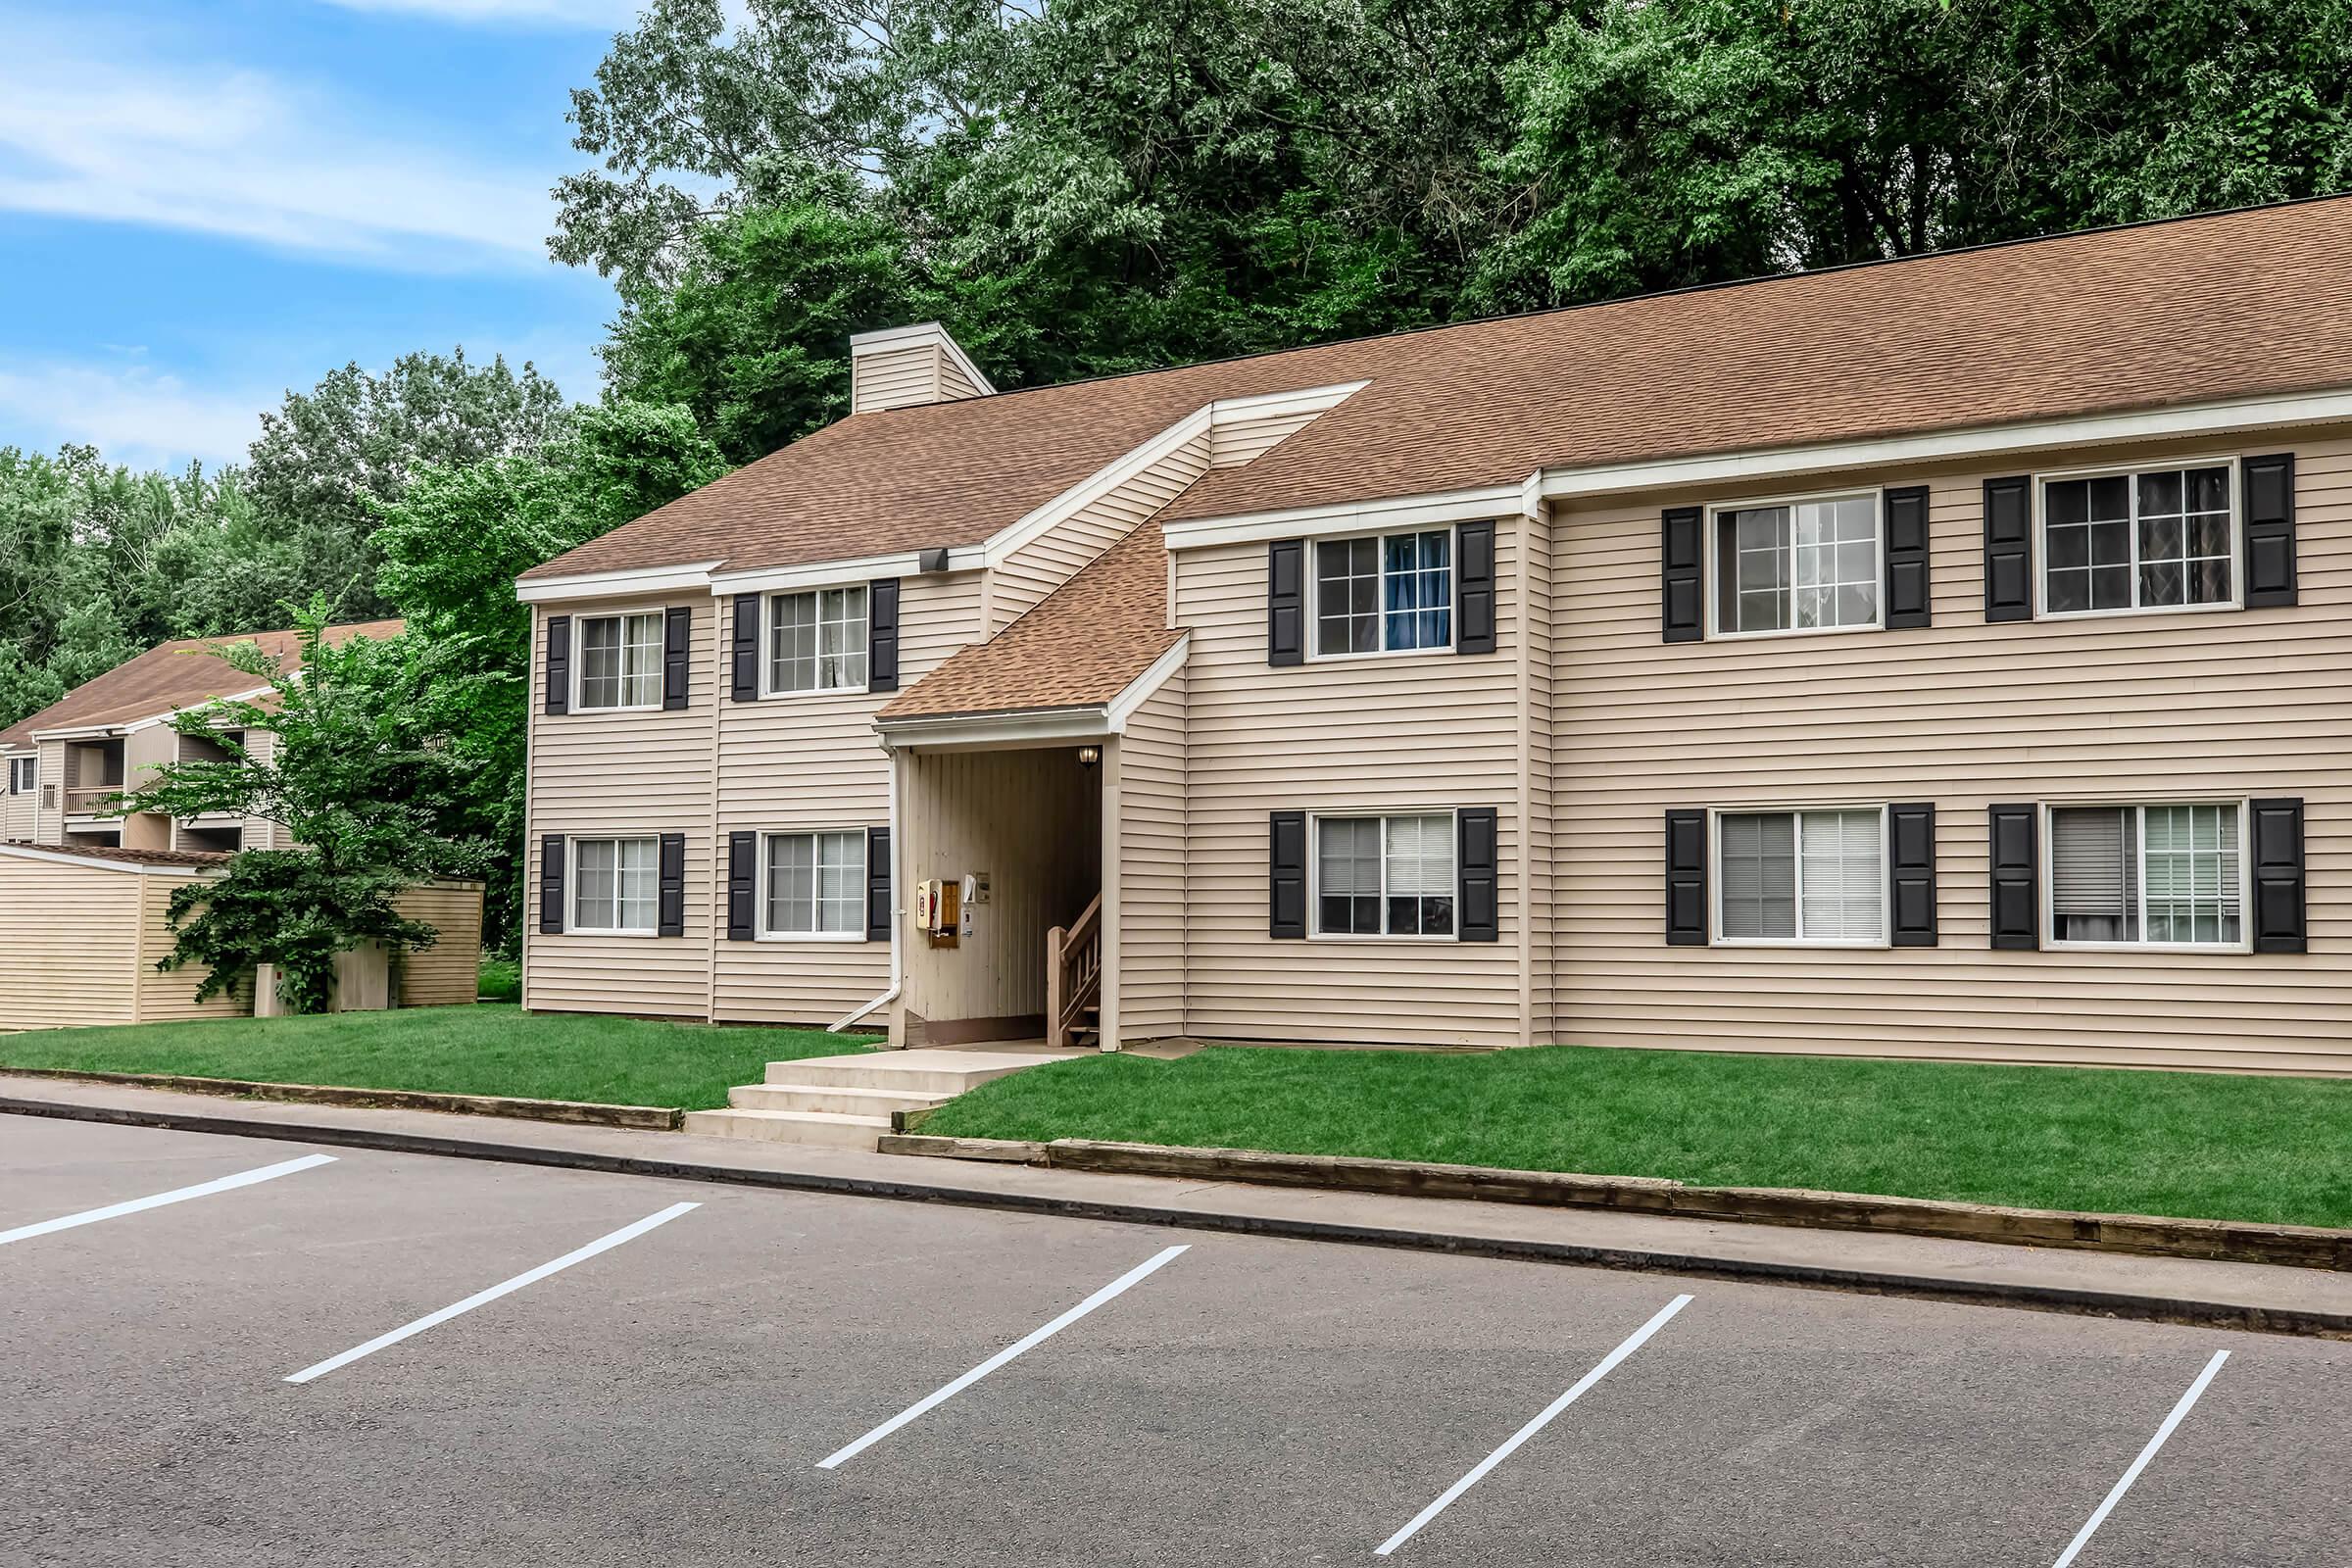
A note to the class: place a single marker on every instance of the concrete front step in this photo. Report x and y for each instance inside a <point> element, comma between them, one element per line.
<point>937,1074</point>
<point>827,1127</point>
<point>826,1097</point>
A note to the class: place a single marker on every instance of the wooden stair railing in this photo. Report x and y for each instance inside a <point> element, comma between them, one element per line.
<point>1073,974</point>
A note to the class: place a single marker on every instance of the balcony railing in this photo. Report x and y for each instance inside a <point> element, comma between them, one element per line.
<point>90,802</point>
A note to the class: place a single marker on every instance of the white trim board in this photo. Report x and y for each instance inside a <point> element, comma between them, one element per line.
<point>839,573</point>
<point>635,582</point>
<point>1348,516</point>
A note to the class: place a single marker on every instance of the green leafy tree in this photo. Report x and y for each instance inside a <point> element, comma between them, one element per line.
<point>328,457</point>
<point>453,546</point>
<point>364,762</point>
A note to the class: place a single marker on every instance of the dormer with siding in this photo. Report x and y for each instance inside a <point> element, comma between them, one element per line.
<point>1938,660</point>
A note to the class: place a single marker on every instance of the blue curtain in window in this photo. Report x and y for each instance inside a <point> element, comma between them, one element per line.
<point>1417,587</point>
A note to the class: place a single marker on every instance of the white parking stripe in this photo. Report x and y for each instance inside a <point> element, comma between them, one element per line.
<point>1028,1342</point>
<point>2179,1411</point>
<point>603,1244</point>
<point>178,1194</point>
<point>1608,1363</point>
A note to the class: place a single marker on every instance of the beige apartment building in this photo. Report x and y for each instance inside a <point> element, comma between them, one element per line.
<point>1940,658</point>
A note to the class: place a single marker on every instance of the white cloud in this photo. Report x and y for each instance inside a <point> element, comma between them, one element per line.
<point>596,15</point>
<point>130,413</point>
<point>240,153</point>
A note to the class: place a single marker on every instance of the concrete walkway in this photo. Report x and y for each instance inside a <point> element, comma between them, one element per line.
<point>2224,1294</point>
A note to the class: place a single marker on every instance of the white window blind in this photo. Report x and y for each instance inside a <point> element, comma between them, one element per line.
<point>1758,877</point>
<point>1384,875</point>
<point>1843,878</point>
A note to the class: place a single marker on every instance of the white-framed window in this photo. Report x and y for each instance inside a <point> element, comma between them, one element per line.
<point>1815,877</point>
<point>23,772</point>
<point>615,885</point>
<point>1390,875</point>
<point>1811,564</point>
<point>816,640</point>
<point>2139,539</point>
<point>1384,594</point>
<point>620,661</point>
<point>814,885</point>
<point>2163,875</point>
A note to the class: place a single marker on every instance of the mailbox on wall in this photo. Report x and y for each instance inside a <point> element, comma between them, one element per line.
<point>938,910</point>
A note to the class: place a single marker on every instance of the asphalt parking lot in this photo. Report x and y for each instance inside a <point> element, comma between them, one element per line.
<point>510,1364</point>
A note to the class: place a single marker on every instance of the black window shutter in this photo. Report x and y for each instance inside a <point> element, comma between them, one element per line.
<point>1911,875</point>
<point>1682,557</point>
<point>2279,877</point>
<point>1906,524</point>
<point>879,915</point>
<point>1686,879</point>
<point>1286,601</point>
<point>743,873</point>
<point>1478,915</point>
<point>1474,588</point>
<point>745,648</point>
<point>559,664</point>
<point>670,912</point>
<point>882,636</point>
<point>2009,549</point>
<point>2269,485</point>
<point>551,885</point>
<point>1286,874</point>
<point>2016,877</point>
<point>677,656</point>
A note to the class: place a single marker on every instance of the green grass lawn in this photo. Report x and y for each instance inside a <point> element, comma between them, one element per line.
<point>473,1051</point>
<point>2190,1145</point>
<point>502,980</point>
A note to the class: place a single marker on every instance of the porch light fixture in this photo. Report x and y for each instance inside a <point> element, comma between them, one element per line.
<point>1089,756</point>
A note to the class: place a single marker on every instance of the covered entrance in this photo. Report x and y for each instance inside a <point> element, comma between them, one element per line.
<point>1001,856</point>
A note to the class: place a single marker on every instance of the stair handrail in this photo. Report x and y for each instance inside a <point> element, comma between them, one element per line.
<point>1073,972</point>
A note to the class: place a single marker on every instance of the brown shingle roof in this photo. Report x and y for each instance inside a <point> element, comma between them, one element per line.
<point>167,677</point>
<point>1082,645</point>
<point>192,860</point>
<point>2233,305</point>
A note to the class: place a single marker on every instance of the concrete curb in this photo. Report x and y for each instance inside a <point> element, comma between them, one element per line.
<point>575,1112</point>
<point>2239,1315</point>
<point>2143,1235</point>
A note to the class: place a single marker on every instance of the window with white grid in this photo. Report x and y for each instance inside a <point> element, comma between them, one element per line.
<point>614,883</point>
<point>1384,594</point>
<point>2171,874</point>
<point>1384,875</point>
<point>817,641</point>
<point>2160,539</point>
<point>620,661</point>
<point>1801,876</point>
<point>817,884</point>
<point>1798,566</point>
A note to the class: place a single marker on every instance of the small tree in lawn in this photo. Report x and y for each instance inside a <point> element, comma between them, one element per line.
<point>359,781</point>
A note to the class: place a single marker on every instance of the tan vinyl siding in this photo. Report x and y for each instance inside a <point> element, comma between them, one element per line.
<point>803,763</point>
<point>2223,704</point>
<point>1046,563</point>
<point>1144,928</point>
<point>894,377</point>
<point>952,382</point>
<point>1537,807</point>
<point>1410,732</point>
<point>16,811</point>
<point>49,811</point>
<point>70,934</point>
<point>260,833</point>
<point>449,973</point>
<point>1235,441</point>
<point>629,775</point>
<point>171,996</point>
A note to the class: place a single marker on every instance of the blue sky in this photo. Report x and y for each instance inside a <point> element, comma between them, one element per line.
<point>203,206</point>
